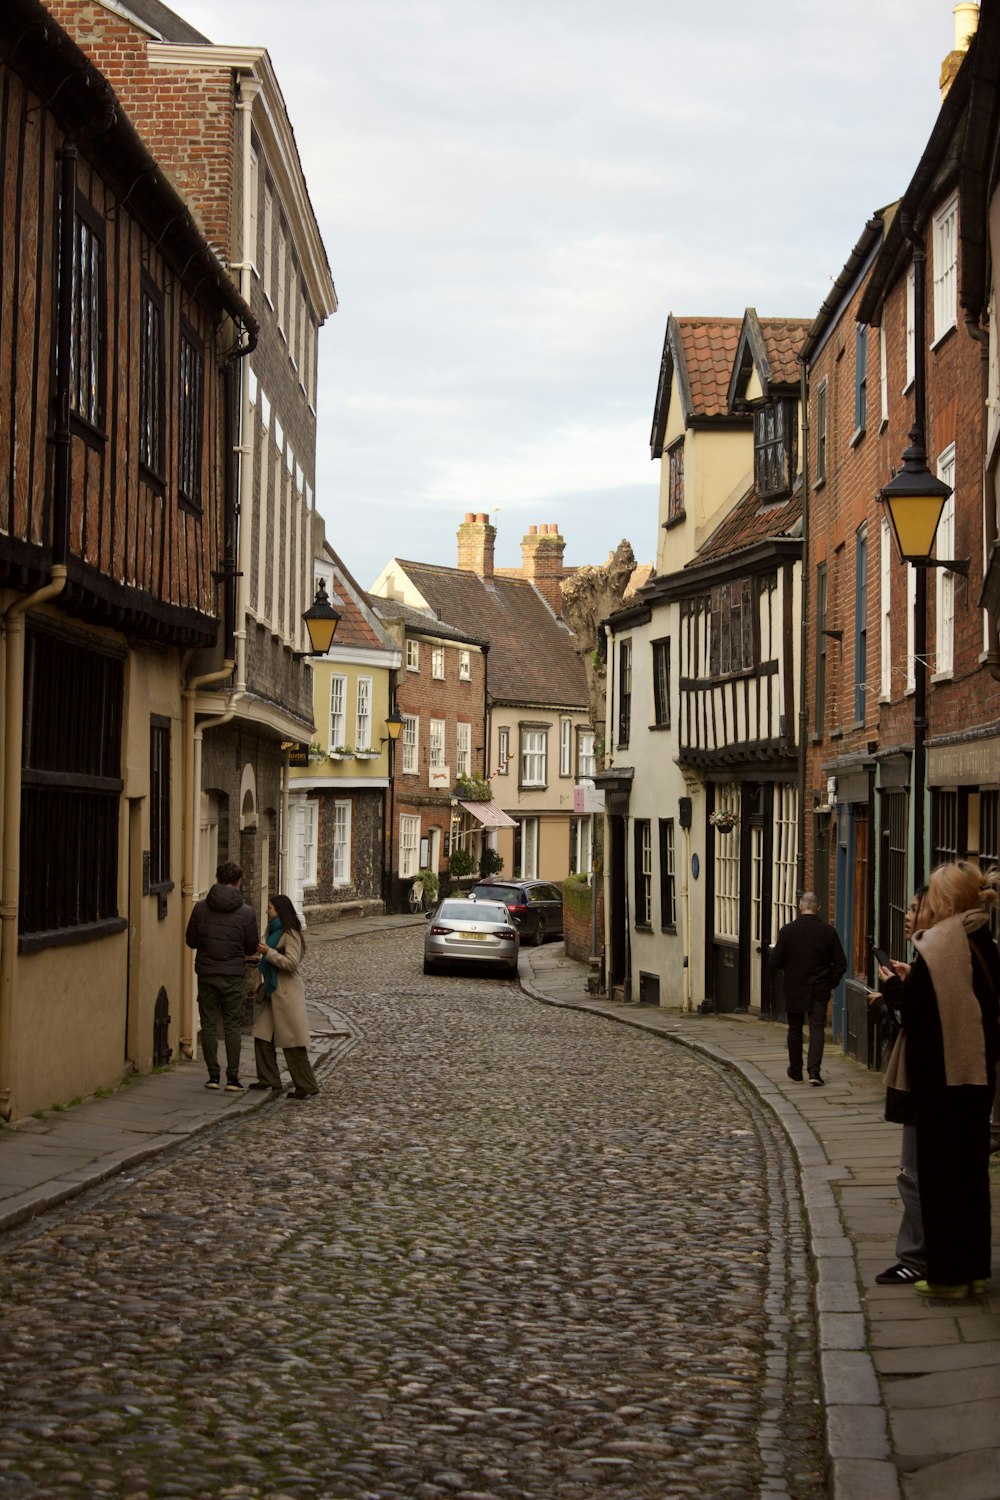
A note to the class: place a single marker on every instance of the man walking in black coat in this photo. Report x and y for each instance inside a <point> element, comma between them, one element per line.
<point>223,931</point>
<point>809,951</point>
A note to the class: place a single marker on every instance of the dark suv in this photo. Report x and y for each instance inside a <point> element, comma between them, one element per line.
<point>535,905</point>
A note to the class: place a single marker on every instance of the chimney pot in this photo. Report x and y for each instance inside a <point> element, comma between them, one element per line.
<point>469,516</point>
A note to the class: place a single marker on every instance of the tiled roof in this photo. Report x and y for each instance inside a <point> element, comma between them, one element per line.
<point>420,622</point>
<point>709,347</point>
<point>751,521</point>
<point>164,21</point>
<point>533,657</point>
<point>783,338</point>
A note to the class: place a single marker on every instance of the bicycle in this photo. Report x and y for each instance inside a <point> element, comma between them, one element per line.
<point>416,896</point>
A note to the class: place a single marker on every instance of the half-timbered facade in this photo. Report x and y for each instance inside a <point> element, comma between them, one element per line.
<point>121,332</point>
<point>701,789</point>
<point>238,167</point>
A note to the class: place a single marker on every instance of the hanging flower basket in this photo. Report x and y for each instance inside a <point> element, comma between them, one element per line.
<point>722,820</point>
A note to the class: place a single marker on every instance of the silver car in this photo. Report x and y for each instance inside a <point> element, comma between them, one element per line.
<point>471,932</point>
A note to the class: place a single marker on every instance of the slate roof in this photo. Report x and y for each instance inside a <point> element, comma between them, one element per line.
<point>421,623</point>
<point>751,521</point>
<point>167,24</point>
<point>533,657</point>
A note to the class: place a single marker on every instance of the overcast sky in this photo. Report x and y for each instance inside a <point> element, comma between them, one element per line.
<point>513,197</point>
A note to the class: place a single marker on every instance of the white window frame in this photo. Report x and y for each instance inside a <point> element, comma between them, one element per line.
<point>911,326</point>
<point>437,662</point>
<point>463,749</point>
<point>338,710</point>
<point>435,741</point>
<point>413,656</point>
<point>309,829</point>
<point>911,627</point>
<point>644,895</point>
<point>341,843</point>
<point>586,758</point>
<point>464,666</point>
<point>268,256</point>
<point>565,747</point>
<point>282,277</point>
<point>727,867</point>
<point>534,758</point>
<point>411,744</point>
<point>945,242</point>
<point>409,845</point>
<point>503,752</point>
<point>529,849</point>
<point>885,600</point>
<point>363,736</point>
<point>784,844</point>
<point>944,547</point>
<point>581,845</point>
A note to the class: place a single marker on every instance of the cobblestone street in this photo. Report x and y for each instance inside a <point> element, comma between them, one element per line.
<point>510,1251</point>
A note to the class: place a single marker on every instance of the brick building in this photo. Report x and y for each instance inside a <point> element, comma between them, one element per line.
<point>876,815</point>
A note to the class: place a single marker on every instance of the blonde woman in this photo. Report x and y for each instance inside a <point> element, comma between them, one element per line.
<point>281,1016</point>
<point>947,1000</point>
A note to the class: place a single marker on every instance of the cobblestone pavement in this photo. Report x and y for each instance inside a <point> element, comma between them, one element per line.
<point>509,1251</point>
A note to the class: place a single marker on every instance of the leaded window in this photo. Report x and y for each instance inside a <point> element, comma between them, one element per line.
<point>661,683</point>
<point>151,377</point>
<point>732,639</point>
<point>189,423</point>
<point>774,443</point>
<point>675,481</point>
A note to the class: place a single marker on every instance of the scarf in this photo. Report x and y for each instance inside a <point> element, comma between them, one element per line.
<point>268,972</point>
<point>946,952</point>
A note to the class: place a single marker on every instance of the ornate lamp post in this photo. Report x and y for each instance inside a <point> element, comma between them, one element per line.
<point>914,500</point>
<point>394,728</point>
<point>321,620</point>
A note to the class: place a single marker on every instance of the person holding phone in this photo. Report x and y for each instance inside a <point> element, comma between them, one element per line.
<point>811,955</point>
<point>946,1059</point>
<point>911,1262</point>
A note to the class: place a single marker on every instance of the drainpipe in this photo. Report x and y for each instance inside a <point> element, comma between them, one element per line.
<point>803,718</point>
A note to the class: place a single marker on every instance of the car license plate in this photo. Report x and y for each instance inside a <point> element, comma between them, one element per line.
<point>476,937</point>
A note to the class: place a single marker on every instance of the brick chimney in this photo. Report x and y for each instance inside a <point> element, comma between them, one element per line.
<point>542,563</point>
<point>966,15</point>
<point>476,540</point>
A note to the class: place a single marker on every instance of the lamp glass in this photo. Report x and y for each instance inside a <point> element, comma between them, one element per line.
<point>394,724</point>
<point>321,620</point>
<point>914,521</point>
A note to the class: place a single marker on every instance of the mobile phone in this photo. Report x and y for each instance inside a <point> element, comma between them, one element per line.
<point>882,957</point>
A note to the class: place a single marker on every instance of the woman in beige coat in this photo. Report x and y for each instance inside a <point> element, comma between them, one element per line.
<point>281,1013</point>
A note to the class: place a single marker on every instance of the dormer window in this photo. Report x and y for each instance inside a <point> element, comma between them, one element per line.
<point>675,481</point>
<point>774,449</point>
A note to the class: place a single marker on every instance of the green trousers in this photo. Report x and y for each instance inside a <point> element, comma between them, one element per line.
<point>221,998</point>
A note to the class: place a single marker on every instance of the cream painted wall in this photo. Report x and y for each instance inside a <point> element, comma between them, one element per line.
<point>718,469</point>
<point>83,1013</point>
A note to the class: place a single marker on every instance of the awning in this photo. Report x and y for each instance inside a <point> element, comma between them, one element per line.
<point>489,814</point>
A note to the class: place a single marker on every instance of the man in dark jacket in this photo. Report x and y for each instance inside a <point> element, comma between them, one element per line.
<point>809,951</point>
<point>223,931</point>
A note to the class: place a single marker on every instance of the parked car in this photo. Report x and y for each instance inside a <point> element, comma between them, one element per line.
<point>474,932</point>
<point>535,905</point>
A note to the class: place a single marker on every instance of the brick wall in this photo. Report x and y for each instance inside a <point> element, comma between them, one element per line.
<point>577,918</point>
<point>186,118</point>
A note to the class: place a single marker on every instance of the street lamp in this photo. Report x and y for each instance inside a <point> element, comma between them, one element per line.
<point>914,500</point>
<point>321,621</point>
<point>394,727</point>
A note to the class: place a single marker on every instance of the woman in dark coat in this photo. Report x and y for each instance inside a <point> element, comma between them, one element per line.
<point>947,1060</point>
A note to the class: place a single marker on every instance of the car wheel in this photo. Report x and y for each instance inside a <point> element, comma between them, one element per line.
<point>512,970</point>
<point>428,967</point>
<point>540,932</point>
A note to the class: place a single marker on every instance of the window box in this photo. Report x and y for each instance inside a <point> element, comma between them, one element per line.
<point>342,752</point>
<point>367,754</point>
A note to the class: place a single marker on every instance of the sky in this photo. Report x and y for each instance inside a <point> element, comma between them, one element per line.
<point>514,195</point>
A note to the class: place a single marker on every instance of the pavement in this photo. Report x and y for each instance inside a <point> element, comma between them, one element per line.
<point>910,1386</point>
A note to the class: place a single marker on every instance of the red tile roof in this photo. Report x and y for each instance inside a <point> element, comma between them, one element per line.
<point>783,338</point>
<point>750,521</point>
<point>709,347</point>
